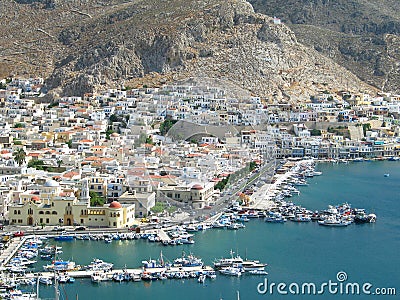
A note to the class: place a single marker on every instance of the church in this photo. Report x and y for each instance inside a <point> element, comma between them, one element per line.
<point>57,205</point>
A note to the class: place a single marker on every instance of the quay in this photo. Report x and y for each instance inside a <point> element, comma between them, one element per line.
<point>136,271</point>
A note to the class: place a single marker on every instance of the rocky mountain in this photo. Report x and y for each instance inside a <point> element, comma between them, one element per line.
<point>361,35</point>
<point>83,45</point>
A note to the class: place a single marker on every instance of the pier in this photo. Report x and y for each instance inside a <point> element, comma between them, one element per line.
<point>135,271</point>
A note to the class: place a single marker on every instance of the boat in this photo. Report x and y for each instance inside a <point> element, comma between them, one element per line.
<point>99,265</point>
<point>45,280</point>
<point>275,218</point>
<point>232,271</point>
<point>301,218</point>
<point>119,277</point>
<point>228,262</point>
<point>234,226</point>
<point>362,217</point>
<point>64,237</point>
<point>61,265</point>
<point>202,278</point>
<point>188,261</point>
<point>258,272</point>
<point>65,278</point>
<point>334,222</point>
<point>21,261</point>
<point>251,265</point>
<point>19,295</point>
<point>46,256</point>
<point>386,174</point>
<point>97,277</point>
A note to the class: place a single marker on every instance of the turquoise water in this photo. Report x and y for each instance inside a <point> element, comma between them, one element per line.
<point>295,253</point>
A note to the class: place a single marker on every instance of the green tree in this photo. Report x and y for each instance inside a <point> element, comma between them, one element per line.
<point>315,132</point>
<point>108,133</point>
<point>19,125</point>
<point>366,127</point>
<point>149,140</point>
<point>53,104</point>
<point>69,143</point>
<point>37,164</point>
<point>166,125</point>
<point>95,199</point>
<point>159,207</point>
<point>19,156</point>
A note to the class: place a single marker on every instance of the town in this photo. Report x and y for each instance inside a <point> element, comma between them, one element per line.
<point>112,159</point>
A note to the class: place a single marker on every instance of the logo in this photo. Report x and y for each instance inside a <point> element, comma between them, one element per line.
<point>340,286</point>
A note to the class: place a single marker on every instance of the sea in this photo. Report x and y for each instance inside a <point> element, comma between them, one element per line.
<point>354,262</point>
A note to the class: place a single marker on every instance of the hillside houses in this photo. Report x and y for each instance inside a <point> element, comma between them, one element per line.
<point>111,143</point>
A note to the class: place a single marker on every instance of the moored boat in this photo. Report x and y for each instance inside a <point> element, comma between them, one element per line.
<point>232,271</point>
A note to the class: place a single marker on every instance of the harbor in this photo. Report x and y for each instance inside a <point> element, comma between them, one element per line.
<point>215,243</point>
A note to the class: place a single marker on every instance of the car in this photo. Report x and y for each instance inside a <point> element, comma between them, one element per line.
<point>58,228</point>
<point>18,233</point>
<point>80,228</point>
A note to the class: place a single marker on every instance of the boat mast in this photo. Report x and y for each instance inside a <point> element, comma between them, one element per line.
<point>57,292</point>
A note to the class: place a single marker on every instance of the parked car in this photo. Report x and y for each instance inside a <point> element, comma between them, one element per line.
<point>58,228</point>
<point>18,233</point>
<point>80,228</point>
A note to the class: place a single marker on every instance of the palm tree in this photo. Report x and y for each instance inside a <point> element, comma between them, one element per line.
<point>19,156</point>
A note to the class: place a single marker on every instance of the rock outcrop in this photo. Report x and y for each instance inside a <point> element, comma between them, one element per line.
<point>97,44</point>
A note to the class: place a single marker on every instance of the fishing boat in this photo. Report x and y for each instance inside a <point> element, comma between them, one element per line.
<point>64,237</point>
<point>97,277</point>
<point>333,222</point>
<point>361,217</point>
<point>274,218</point>
<point>188,261</point>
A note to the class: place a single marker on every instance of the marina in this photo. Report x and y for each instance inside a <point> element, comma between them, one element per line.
<point>131,252</point>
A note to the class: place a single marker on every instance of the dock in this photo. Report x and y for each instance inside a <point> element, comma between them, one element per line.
<point>163,236</point>
<point>11,250</point>
<point>136,271</point>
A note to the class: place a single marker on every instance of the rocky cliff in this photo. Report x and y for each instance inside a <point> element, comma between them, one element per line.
<point>84,45</point>
<point>361,35</point>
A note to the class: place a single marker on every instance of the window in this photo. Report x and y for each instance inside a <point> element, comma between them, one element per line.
<point>47,212</point>
<point>53,212</point>
<point>47,221</point>
<point>41,220</point>
<point>41,212</point>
